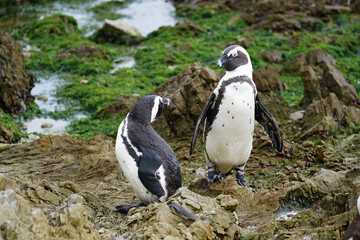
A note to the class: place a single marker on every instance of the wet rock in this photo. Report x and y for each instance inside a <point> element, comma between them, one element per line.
<point>15,82</point>
<point>271,56</point>
<point>189,92</point>
<point>118,31</point>
<point>47,125</point>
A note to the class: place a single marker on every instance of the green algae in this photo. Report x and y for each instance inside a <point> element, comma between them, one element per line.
<point>201,37</point>
<point>8,121</point>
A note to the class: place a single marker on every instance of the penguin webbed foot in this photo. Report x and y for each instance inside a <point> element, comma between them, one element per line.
<point>125,208</point>
<point>240,179</point>
<point>212,176</point>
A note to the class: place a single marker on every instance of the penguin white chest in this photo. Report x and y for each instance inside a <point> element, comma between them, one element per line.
<point>229,141</point>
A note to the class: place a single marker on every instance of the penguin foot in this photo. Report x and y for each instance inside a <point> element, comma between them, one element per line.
<point>212,176</point>
<point>240,179</point>
<point>125,208</point>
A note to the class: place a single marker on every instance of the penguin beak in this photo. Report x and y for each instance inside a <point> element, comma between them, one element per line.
<point>166,101</point>
<point>219,62</point>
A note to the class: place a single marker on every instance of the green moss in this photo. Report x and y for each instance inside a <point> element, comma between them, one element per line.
<point>55,35</point>
<point>86,128</point>
<point>8,121</point>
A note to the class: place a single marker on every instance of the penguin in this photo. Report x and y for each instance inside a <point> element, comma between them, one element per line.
<point>229,118</point>
<point>353,231</point>
<point>147,161</point>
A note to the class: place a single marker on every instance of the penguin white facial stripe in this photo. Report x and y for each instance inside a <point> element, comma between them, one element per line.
<point>155,108</point>
<point>233,53</point>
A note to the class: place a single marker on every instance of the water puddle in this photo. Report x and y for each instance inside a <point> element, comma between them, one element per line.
<point>44,92</point>
<point>123,62</point>
<point>146,15</point>
<point>287,214</point>
<point>149,15</point>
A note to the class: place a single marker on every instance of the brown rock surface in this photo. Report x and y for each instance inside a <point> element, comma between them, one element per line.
<point>330,101</point>
<point>15,82</point>
<point>189,92</point>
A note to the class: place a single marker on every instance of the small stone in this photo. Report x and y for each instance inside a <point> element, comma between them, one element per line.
<point>83,81</point>
<point>47,125</point>
<point>297,115</point>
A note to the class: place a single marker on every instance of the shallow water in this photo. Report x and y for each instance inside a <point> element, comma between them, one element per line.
<point>44,92</point>
<point>146,15</point>
<point>149,15</point>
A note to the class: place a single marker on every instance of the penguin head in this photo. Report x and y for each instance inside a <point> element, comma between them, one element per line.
<point>149,108</point>
<point>233,57</point>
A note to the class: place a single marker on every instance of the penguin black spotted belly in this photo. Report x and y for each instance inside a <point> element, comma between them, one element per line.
<point>229,118</point>
<point>147,161</point>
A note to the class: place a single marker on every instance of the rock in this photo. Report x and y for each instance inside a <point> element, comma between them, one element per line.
<point>121,106</point>
<point>320,78</point>
<point>271,56</point>
<point>47,125</point>
<point>266,79</point>
<point>4,147</point>
<point>85,51</point>
<point>19,220</point>
<point>189,92</point>
<point>7,134</point>
<point>329,114</point>
<point>15,82</point>
<point>118,31</point>
<point>71,220</point>
<point>158,221</point>
<point>297,115</point>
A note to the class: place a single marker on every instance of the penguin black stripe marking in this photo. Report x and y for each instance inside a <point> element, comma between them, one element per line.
<point>147,161</point>
<point>229,118</point>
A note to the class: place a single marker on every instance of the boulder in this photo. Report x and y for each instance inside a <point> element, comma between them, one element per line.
<point>330,101</point>
<point>15,82</point>
<point>271,56</point>
<point>118,31</point>
<point>320,78</point>
<point>20,220</point>
<point>189,92</point>
<point>160,221</point>
<point>329,113</point>
<point>121,106</point>
<point>266,79</point>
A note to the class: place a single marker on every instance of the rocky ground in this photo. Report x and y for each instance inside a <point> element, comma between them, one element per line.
<point>63,187</point>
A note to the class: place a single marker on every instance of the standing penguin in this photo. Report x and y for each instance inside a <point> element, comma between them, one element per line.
<point>229,118</point>
<point>147,161</point>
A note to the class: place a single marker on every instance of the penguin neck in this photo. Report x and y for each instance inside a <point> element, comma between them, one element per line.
<point>243,70</point>
<point>139,119</point>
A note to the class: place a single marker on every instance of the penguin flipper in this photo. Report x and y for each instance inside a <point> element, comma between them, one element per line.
<point>264,117</point>
<point>148,166</point>
<point>200,121</point>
